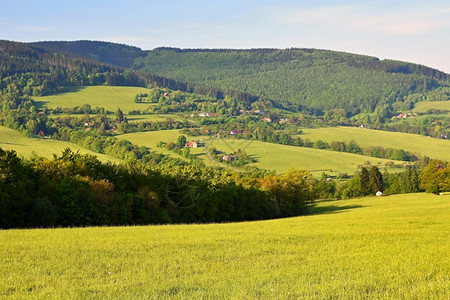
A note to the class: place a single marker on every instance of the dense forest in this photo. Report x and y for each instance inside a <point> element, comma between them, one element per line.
<point>296,77</point>
<point>78,190</point>
<point>33,70</point>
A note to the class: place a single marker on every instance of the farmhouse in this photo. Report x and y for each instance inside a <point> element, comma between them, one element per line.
<point>228,157</point>
<point>403,116</point>
<point>234,132</point>
<point>192,144</point>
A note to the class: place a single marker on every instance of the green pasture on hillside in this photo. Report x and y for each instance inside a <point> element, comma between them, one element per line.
<point>417,144</point>
<point>393,247</point>
<point>426,105</point>
<point>281,157</point>
<point>152,138</point>
<point>14,140</point>
<point>131,118</point>
<point>269,156</point>
<point>109,97</point>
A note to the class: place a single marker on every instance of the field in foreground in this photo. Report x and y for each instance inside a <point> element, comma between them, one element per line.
<point>389,247</point>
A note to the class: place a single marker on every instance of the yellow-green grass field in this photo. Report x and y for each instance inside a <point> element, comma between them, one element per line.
<point>109,97</point>
<point>14,140</point>
<point>152,138</point>
<point>131,118</point>
<point>281,158</point>
<point>393,247</point>
<point>426,105</point>
<point>420,145</point>
<point>269,156</point>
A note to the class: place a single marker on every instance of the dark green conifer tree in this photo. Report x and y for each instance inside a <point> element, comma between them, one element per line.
<point>375,180</point>
<point>364,180</point>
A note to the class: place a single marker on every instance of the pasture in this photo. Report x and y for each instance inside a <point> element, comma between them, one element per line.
<point>393,247</point>
<point>109,97</point>
<point>14,140</point>
<point>281,157</point>
<point>417,144</point>
<point>426,105</point>
<point>269,156</point>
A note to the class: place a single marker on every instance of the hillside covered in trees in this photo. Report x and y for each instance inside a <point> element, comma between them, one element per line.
<point>295,77</point>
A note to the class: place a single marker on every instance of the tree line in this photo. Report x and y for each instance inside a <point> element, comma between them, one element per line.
<point>78,190</point>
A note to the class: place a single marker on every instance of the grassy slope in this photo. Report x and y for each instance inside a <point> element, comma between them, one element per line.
<point>435,148</point>
<point>281,158</point>
<point>13,140</point>
<point>109,97</point>
<point>152,138</point>
<point>426,105</point>
<point>269,156</point>
<point>392,247</point>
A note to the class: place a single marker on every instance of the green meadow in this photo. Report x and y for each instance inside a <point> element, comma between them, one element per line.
<point>393,247</point>
<point>434,148</point>
<point>426,105</point>
<point>14,140</point>
<point>281,157</point>
<point>152,138</point>
<point>109,97</point>
<point>269,156</point>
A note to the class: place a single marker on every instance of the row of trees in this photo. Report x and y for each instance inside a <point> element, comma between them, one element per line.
<point>78,190</point>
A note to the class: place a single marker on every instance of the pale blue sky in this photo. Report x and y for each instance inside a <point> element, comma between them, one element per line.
<point>415,31</point>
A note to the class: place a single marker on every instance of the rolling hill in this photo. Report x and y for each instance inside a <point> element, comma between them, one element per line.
<point>304,77</point>
<point>419,145</point>
<point>25,146</point>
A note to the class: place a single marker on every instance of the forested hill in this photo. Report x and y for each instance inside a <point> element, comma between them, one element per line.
<point>36,69</point>
<point>318,78</point>
<point>111,53</point>
<point>299,77</point>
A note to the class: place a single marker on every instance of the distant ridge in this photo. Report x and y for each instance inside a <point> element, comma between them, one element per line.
<point>296,77</point>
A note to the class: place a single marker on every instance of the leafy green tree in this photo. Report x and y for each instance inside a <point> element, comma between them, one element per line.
<point>435,177</point>
<point>181,141</point>
<point>352,188</point>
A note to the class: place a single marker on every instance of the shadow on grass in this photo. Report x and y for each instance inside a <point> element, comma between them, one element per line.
<point>331,209</point>
<point>70,89</point>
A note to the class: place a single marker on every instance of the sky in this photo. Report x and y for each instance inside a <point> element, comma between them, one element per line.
<point>413,31</point>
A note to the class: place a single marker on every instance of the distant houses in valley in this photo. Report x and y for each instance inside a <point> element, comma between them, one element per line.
<point>194,144</point>
<point>235,132</point>
<point>229,157</point>
<point>205,114</point>
<point>191,144</point>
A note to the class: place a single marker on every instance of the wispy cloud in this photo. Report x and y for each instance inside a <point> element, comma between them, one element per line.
<point>35,29</point>
<point>362,19</point>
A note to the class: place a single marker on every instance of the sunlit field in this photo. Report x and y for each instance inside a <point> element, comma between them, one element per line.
<point>421,145</point>
<point>392,247</point>
<point>268,155</point>
<point>109,97</point>
<point>426,105</point>
<point>14,140</point>
<point>281,157</point>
